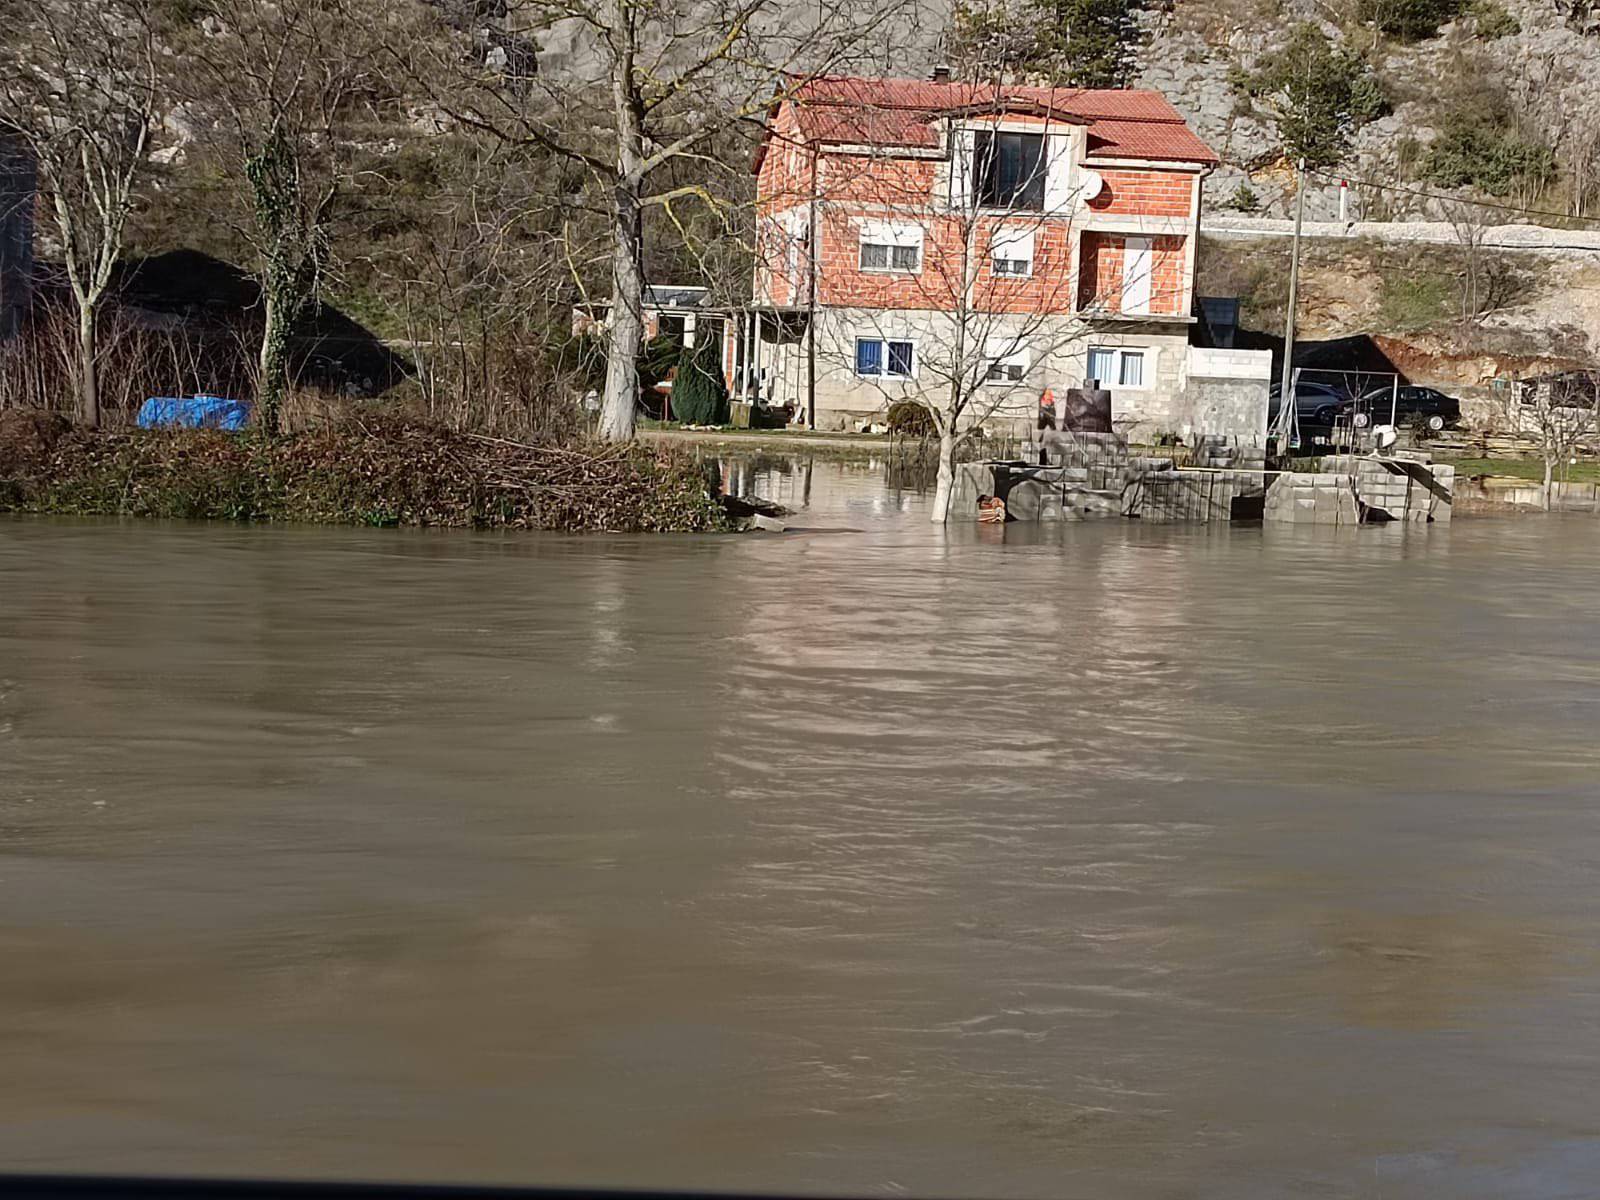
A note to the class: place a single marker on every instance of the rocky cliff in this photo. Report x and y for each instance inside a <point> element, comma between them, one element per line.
<point>1542,56</point>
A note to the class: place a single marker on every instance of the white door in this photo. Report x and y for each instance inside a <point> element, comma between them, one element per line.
<point>1136,268</point>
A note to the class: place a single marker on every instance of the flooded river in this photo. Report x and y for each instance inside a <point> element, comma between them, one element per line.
<point>1097,860</point>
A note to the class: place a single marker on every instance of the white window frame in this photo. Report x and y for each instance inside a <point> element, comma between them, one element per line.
<point>1146,356</point>
<point>855,356</point>
<point>893,235</point>
<point>1003,239</point>
<point>1005,352</point>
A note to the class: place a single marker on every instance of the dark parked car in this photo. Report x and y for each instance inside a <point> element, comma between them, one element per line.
<point>1316,404</point>
<point>1429,405</point>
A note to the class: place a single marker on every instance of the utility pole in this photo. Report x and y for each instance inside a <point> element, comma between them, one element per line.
<point>811,301</point>
<point>1288,418</point>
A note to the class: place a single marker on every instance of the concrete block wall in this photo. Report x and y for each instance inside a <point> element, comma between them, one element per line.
<point>1311,498</point>
<point>1224,395</point>
<point>1346,494</point>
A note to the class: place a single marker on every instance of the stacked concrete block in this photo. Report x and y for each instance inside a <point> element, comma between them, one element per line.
<point>1310,498</point>
<point>1348,491</point>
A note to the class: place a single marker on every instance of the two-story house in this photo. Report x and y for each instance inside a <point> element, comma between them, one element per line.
<point>919,235</point>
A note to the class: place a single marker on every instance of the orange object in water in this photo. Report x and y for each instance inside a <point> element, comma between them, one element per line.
<point>991,510</point>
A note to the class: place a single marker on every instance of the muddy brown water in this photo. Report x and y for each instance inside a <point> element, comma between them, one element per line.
<point>1099,860</point>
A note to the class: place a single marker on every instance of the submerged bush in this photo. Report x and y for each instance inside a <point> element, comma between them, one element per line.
<point>361,473</point>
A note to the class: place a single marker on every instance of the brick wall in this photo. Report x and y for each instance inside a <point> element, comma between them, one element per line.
<point>1100,281</point>
<point>857,187</point>
<point>1144,193</point>
<point>939,283</point>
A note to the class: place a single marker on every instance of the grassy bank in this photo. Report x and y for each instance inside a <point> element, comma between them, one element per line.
<point>1583,471</point>
<point>356,473</point>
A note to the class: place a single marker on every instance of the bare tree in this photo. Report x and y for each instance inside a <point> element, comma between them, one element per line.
<point>78,86</point>
<point>1559,411</point>
<point>283,88</point>
<point>1468,222</point>
<point>651,85</point>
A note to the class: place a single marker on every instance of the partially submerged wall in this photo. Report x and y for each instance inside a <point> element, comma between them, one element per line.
<point>1363,491</point>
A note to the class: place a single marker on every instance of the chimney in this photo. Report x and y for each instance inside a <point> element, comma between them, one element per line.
<point>940,74</point>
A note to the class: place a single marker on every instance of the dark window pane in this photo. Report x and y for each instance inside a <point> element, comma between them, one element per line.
<point>900,358</point>
<point>1009,170</point>
<point>869,357</point>
<point>874,256</point>
<point>904,258</point>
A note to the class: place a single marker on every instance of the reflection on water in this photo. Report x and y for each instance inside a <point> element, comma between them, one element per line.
<point>1083,860</point>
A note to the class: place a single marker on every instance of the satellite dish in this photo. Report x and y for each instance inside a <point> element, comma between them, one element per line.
<point>1385,436</point>
<point>1093,184</point>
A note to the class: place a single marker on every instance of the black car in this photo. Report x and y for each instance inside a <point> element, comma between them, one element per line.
<point>1411,404</point>
<point>1316,404</point>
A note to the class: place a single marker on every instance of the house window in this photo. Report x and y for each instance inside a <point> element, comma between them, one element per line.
<point>880,358</point>
<point>1116,368</point>
<point>875,256</point>
<point>1011,253</point>
<point>1005,362</point>
<point>891,247</point>
<point>1008,169</point>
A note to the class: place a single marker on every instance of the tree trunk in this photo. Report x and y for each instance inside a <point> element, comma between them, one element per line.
<point>1549,465</point>
<point>627,240</point>
<point>626,333</point>
<point>273,366</point>
<point>944,489</point>
<point>88,369</point>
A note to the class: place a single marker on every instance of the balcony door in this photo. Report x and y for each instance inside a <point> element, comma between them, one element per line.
<point>1137,266</point>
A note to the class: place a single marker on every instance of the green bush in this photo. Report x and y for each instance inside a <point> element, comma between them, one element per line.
<point>1487,151</point>
<point>1417,299</point>
<point>1493,21</point>
<point>699,392</point>
<point>657,358</point>
<point>1320,95</point>
<point>1244,198</point>
<point>1408,20</point>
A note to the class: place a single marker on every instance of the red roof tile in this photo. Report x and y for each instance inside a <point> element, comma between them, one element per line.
<point>903,113</point>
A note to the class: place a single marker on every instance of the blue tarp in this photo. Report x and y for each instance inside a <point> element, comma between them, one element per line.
<point>209,412</point>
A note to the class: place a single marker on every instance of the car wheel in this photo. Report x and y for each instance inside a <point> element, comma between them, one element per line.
<point>1436,422</point>
<point>1324,416</point>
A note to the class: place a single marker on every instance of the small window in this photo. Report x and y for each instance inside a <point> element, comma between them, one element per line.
<point>877,257</point>
<point>1007,362</point>
<point>891,247</point>
<point>1011,253</point>
<point>877,357</point>
<point>1110,367</point>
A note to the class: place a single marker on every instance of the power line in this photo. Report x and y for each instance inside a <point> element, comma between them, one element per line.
<point>1511,208</point>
